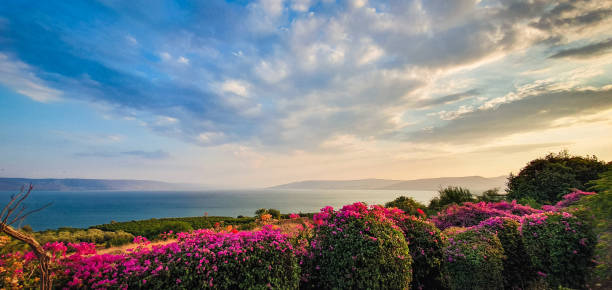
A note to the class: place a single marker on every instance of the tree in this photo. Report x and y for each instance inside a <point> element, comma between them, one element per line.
<point>450,195</point>
<point>547,179</point>
<point>491,195</point>
<point>275,213</point>
<point>15,211</point>
<point>407,204</point>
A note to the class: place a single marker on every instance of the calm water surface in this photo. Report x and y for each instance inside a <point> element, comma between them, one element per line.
<point>87,208</point>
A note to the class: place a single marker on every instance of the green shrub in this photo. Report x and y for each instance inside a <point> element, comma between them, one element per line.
<point>450,195</point>
<point>357,248</point>
<point>548,179</point>
<point>275,213</point>
<point>518,272</point>
<point>426,243</point>
<point>473,259</point>
<point>407,204</point>
<point>560,246</point>
<point>151,228</point>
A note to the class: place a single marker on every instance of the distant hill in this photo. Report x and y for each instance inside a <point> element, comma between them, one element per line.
<point>77,184</point>
<point>474,183</point>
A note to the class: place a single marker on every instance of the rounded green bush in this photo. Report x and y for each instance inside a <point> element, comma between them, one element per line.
<point>560,246</point>
<point>426,243</point>
<point>357,248</point>
<point>473,259</point>
<point>518,272</point>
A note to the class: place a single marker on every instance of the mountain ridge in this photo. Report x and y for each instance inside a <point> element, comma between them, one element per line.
<point>86,184</point>
<point>476,183</point>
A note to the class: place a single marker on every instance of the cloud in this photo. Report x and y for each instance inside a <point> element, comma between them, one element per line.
<point>590,50</point>
<point>293,73</point>
<point>520,148</point>
<point>21,77</point>
<point>151,155</point>
<point>535,112</point>
<point>448,99</point>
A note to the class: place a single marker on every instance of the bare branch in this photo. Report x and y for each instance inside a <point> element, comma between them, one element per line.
<point>8,214</point>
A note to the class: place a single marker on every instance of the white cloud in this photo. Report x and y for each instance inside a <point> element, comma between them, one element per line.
<point>21,77</point>
<point>300,5</point>
<point>272,72</point>
<point>451,115</point>
<point>131,40</point>
<point>371,53</point>
<point>236,87</point>
<point>210,138</point>
<point>183,60</point>
<point>165,56</point>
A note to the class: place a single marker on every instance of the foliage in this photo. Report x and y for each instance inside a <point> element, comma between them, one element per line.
<point>547,179</point>
<point>568,200</point>
<point>357,247</point>
<point>20,270</point>
<point>152,228</point>
<point>560,246</point>
<point>407,204</point>
<point>473,260</point>
<point>471,214</point>
<point>274,213</point>
<point>600,206</point>
<point>491,195</point>
<point>68,235</point>
<point>426,243</point>
<point>201,259</point>
<point>450,195</point>
<point>518,272</point>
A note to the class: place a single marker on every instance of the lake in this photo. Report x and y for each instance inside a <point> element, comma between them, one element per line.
<point>88,208</point>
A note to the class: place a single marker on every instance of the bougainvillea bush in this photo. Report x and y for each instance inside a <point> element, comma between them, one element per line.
<point>560,246</point>
<point>471,214</point>
<point>201,259</point>
<point>473,259</point>
<point>518,272</point>
<point>357,247</point>
<point>568,200</point>
<point>426,243</point>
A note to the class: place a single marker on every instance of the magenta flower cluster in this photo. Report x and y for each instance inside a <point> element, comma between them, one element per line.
<point>568,199</point>
<point>471,214</point>
<point>202,258</point>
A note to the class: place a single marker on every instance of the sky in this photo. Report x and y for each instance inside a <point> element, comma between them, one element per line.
<point>259,93</point>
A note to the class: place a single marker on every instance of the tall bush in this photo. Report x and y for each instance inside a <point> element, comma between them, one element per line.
<point>426,243</point>
<point>357,247</point>
<point>547,179</point>
<point>473,260</point>
<point>560,246</point>
<point>518,272</point>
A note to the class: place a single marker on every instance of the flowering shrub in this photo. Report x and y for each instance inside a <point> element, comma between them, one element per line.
<point>518,271</point>
<point>425,242</point>
<point>20,270</point>
<point>560,246</point>
<point>471,214</point>
<point>473,259</point>
<point>201,259</point>
<point>568,199</point>
<point>408,205</point>
<point>357,247</point>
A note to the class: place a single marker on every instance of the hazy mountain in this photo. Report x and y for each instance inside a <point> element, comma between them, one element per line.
<point>475,183</point>
<point>77,184</point>
<point>339,184</point>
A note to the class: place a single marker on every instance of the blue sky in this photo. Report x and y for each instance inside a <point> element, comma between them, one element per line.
<point>255,93</point>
